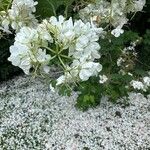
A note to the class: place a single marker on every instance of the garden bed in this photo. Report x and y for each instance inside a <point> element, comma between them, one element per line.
<point>32,117</point>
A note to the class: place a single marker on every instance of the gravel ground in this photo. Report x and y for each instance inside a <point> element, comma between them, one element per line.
<point>33,118</point>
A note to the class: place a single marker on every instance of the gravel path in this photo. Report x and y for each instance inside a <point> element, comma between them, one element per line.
<point>33,118</point>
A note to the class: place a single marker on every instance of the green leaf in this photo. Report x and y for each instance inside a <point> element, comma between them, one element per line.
<point>64,90</point>
<point>91,93</point>
<point>48,8</point>
<point>86,101</point>
<point>5,4</point>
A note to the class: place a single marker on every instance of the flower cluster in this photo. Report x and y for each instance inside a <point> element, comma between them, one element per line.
<point>126,61</point>
<point>74,45</point>
<point>19,15</point>
<point>113,12</point>
<point>26,51</point>
<point>142,85</point>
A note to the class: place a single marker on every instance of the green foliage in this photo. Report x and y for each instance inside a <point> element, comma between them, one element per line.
<point>7,70</point>
<point>85,101</point>
<point>5,4</point>
<point>141,21</point>
<point>48,8</point>
<point>117,87</point>
<point>144,52</point>
<point>92,90</point>
<point>65,90</point>
<point>90,94</point>
<point>112,50</point>
<point>68,8</point>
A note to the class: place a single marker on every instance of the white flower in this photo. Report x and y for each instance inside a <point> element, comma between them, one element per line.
<point>81,39</point>
<point>26,36</point>
<point>76,36</point>
<point>78,41</point>
<point>70,76</point>
<point>146,81</point>
<point>30,4</point>
<point>42,57</point>
<point>60,80</point>
<point>46,69</point>
<point>42,31</point>
<point>137,85</point>
<point>112,12</point>
<point>137,5</point>
<point>52,88</point>
<point>103,79</point>
<point>20,14</point>
<point>79,70</point>
<point>130,74</point>
<point>26,51</point>
<point>117,32</point>
<point>5,24</point>
<point>89,69</point>
<point>86,69</point>
<point>33,38</point>
<point>23,57</point>
<point>20,57</point>
<point>63,30</point>
<point>120,61</point>
<point>82,42</point>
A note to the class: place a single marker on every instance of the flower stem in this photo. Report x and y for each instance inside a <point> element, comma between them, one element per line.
<point>64,56</point>
<point>49,49</point>
<point>61,62</point>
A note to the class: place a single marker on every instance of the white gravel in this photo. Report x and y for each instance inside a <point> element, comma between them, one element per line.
<point>33,118</point>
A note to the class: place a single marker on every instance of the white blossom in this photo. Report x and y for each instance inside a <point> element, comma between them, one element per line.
<point>26,52</point>
<point>60,80</point>
<point>5,24</point>
<point>86,69</point>
<point>130,74</point>
<point>89,69</point>
<point>26,36</point>
<point>46,69</point>
<point>144,84</point>
<point>147,81</point>
<point>62,30</point>
<point>136,5</point>
<point>20,14</point>
<point>113,12</point>
<point>20,57</point>
<point>120,61</point>
<point>137,85</point>
<point>52,88</point>
<point>103,79</point>
<point>117,32</point>
<point>77,39</point>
